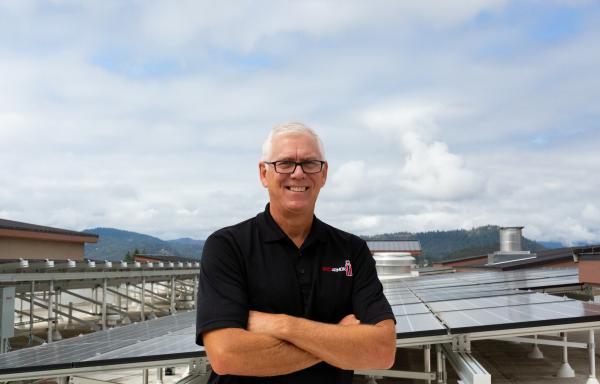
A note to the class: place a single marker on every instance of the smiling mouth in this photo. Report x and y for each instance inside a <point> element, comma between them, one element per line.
<point>297,189</point>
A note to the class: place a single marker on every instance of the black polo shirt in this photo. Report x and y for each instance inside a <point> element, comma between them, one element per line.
<point>254,265</point>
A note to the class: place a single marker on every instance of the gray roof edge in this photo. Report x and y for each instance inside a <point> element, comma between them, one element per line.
<point>21,226</point>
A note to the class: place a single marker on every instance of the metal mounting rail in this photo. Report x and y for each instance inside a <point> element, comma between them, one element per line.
<point>468,369</point>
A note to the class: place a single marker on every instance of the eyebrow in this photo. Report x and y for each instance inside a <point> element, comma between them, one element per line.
<point>310,158</point>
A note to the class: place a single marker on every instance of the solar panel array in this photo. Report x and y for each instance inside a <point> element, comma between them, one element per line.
<point>474,302</point>
<point>166,335</point>
<point>429,306</point>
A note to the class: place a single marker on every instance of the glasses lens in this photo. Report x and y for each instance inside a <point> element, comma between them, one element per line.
<point>312,166</point>
<point>285,166</point>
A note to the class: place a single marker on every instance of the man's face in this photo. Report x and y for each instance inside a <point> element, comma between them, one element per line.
<point>296,192</point>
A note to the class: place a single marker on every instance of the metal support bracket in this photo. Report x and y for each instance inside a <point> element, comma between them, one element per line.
<point>461,343</point>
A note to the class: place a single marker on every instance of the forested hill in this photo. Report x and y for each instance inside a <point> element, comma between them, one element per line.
<point>438,245</point>
<point>113,244</point>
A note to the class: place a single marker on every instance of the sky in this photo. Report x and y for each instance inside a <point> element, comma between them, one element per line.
<point>149,116</point>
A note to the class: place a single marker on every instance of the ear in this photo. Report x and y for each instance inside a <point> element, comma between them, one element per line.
<point>325,168</point>
<point>262,173</point>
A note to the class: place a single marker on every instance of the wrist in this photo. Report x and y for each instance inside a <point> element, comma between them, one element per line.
<point>283,326</point>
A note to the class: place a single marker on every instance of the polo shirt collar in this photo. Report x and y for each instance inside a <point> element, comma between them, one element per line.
<point>272,232</point>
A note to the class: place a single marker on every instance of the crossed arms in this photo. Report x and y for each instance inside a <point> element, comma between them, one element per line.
<point>277,344</point>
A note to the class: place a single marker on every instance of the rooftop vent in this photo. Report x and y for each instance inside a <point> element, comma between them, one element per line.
<point>510,239</point>
<point>49,263</point>
<point>91,264</point>
<point>23,263</point>
<point>123,264</point>
<point>510,247</point>
<point>394,264</point>
<point>71,263</point>
<point>107,264</point>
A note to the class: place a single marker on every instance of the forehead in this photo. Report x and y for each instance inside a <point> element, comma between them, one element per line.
<point>292,145</point>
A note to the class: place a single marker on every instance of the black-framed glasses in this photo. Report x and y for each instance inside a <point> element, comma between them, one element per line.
<point>288,167</point>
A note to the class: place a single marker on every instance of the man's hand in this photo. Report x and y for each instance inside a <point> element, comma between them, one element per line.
<point>349,320</point>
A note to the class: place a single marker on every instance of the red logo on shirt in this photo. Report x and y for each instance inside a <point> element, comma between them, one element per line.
<point>347,268</point>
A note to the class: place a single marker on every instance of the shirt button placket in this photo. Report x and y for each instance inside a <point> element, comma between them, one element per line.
<point>300,263</point>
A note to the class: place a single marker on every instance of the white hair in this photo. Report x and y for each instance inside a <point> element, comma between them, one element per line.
<point>284,128</point>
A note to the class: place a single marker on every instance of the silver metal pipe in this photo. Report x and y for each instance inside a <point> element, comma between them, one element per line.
<point>195,290</point>
<point>104,284</point>
<point>592,357</point>
<point>143,299</point>
<point>50,315</point>
<point>172,294</point>
<point>31,310</point>
<point>70,318</point>
<point>440,373</point>
<point>427,359</point>
<point>565,356</point>
<point>159,375</point>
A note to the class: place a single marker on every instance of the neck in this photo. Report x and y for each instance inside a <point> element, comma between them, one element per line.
<point>295,225</point>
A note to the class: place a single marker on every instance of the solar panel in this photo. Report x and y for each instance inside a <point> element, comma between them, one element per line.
<point>444,296</point>
<point>178,343</point>
<point>491,302</point>
<point>465,302</point>
<point>409,309</point>
<point>520,316</point>
<point>66,353</point>
<point>418,325</point>
<point>402,299</point>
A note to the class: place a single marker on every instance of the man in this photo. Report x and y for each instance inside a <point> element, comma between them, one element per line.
<point>284,297</point>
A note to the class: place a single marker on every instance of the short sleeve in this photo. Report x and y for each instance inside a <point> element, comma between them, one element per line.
<point>222,299</point>
<point>369,304</point>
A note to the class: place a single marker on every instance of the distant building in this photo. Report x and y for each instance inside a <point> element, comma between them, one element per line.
<point>587,258</point>
<point>395,246</point>
<point>36,242</point>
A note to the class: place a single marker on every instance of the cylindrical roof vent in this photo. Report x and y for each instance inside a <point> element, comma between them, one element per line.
<point>394,263</point>
<point>510,239</point>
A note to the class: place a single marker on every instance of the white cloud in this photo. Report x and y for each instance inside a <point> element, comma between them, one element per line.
<point>429,170</point>
<point>150,116</point>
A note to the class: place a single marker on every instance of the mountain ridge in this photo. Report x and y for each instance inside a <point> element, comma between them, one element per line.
<point>113,244</point>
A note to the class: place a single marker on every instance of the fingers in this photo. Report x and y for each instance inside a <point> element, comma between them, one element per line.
<point>349,320</point>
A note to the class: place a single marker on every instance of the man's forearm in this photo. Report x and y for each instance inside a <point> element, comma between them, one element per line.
<point>345,346</point>
<point>233,351</point>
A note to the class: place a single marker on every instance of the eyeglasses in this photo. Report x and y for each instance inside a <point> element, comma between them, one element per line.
<point>288,167</point>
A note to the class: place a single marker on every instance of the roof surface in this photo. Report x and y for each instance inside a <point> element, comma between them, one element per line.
<point>394,245</point>
<point>19,226</point>
<point>543,257</point>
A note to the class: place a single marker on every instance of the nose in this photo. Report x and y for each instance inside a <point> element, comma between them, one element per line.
<point>298,172</point>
